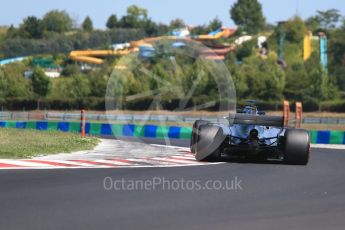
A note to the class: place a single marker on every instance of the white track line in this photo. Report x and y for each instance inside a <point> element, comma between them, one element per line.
<point>113,162</point>
<point>167,159</point>
<point>184,157</point>
<point>326,146</point>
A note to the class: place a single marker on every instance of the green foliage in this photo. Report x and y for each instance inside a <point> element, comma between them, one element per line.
<point>112,22</point>
<point>245,50</point>
<point>338,73</point>
<point>333,106</point>
<point>98,81</point>
<point>177,23</point>
<point>329,90</point>
<point>78,87</point>
<point>328,19</point>
<point>60,43</point>
<point>313,23</point>
<point>32,27</point>
<point>35,142</point>
<point>136,17</point>
<point>309,81</point>
<point>199,30</point>
<point>151,28</point>
<point>3,84</point>
<point>57,21</point>
<point>259,78</point>
<point>337,57</point>
<point>248,15</point>
<point>295,30</point>
<point>12,82</point>
<point>215,24</point>
<point>137,12</point>
<point>70,70</point>
<point>256,77</point>
<point>87,24</point>
<point>337,48</point>
<point>11,32</point>
<point>40,82</point>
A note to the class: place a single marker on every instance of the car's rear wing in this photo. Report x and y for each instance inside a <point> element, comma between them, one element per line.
<point>264,120</point>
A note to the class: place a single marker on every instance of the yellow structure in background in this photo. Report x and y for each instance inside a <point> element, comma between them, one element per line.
<point>95,56</point>
<point>307,46</point>
<point>224,33</point>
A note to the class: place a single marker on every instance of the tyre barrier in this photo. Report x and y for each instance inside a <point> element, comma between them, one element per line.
<point>150,131</point>
<point>327,137</point>
<point>98,129</point>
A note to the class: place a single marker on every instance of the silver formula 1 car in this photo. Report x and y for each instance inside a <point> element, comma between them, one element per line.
<point>250,134</point>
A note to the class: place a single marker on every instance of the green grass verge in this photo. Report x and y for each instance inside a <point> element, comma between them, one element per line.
<point>22,143</point>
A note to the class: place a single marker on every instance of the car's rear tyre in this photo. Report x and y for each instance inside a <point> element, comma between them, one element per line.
<point>214,157</point>
<point>194,138</point>
<point>209,142</point>
<point>296,146</point>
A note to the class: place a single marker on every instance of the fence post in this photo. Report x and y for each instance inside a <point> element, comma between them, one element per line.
<point>286,113</point>
<point>298,114</point>
<point>83,123</point>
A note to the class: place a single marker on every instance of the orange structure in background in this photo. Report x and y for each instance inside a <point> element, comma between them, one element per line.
<point>298,114</point>
<point>83,123</point>
<point>286,113</point>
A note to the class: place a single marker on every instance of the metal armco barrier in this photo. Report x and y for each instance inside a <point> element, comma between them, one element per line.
<point>60,116</point>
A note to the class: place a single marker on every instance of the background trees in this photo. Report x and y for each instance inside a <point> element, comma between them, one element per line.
<point>177,23</point>
<point>32,27</point>
<point>12,82</point>
<point>40,84</point>
<point>295,30</point>
<point>57,21</point>
<point>112,22</point>
<point>215,24</point>
<point>87,24</point>
<point>136,17</point>
<point>254,75</point>
<point>248,15</point>
<point>328,19</point>
<point>258,78</point>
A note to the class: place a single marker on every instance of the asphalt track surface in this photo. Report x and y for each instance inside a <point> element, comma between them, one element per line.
<point>272,196</point>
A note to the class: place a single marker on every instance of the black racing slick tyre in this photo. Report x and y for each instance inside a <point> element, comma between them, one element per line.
<point>214,157</point>
<point>209,142</point>
<point>296,147</point>
<point>194,137</point>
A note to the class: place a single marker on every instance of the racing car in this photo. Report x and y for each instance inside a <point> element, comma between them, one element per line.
<point>250,134</point>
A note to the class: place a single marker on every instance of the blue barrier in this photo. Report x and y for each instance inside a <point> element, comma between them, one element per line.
<point>150,131</point>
